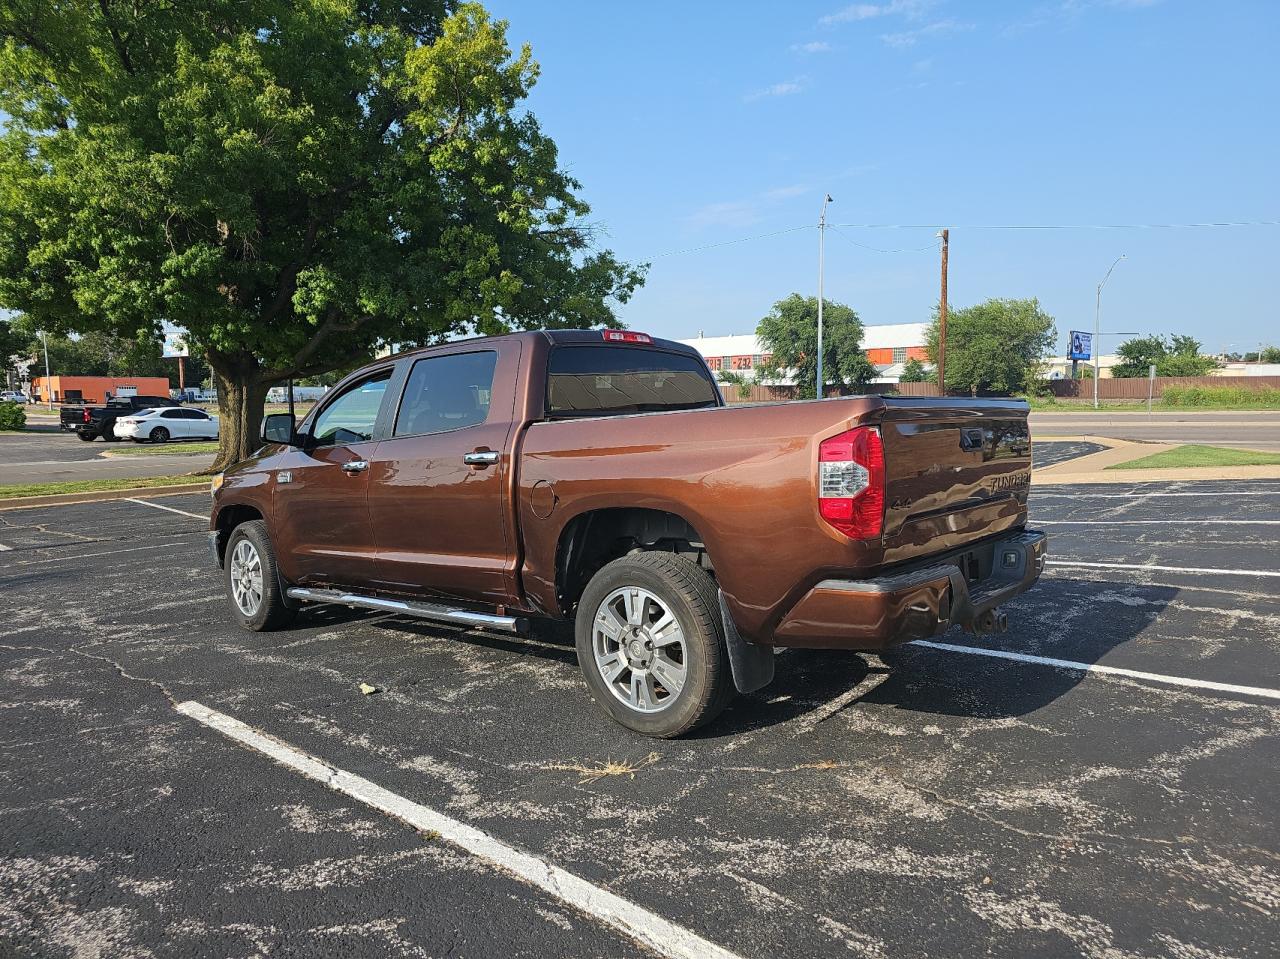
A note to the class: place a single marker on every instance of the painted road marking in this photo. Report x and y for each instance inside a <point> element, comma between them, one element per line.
<point>649,928</point>
<point>5,549</point>
<point>167,509</point>
<point>1042,492</point>
<point>1156,522</point>
<point>1201,570</point>
<point>72,556</point>
<point>1107,670</point>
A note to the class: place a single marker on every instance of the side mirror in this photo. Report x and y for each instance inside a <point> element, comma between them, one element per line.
<point>280,428</point>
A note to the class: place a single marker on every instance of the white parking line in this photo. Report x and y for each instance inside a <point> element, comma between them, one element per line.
<point>4,549</point>
<point>1141,568</point>
<point>1106,670</point>
<point>1156,522</point>
<point>167,509</point>
<point>649,928</point>
<point>68,557</point>
<point>1041,493</point>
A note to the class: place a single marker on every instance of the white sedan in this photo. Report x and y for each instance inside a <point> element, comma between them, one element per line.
<point>167,423</point>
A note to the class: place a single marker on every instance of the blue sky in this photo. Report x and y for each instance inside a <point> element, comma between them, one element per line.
<point>692,124</point>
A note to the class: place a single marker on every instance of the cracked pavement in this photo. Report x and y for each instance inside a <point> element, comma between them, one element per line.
<point>931,804</point>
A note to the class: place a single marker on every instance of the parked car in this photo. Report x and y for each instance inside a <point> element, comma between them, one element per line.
<point>599,477</point>
<point>90,422</point>
<point>13,396</point>
<point>163,425</point>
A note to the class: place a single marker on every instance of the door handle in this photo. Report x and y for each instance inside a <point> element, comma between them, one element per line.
<point>356,466</point>
<point>481,458</point>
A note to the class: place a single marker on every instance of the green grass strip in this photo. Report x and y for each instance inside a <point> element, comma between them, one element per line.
<point>1192,455</point>
<point>27,490</point>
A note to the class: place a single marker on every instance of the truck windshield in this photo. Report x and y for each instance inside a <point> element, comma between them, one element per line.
<point>602,380</point>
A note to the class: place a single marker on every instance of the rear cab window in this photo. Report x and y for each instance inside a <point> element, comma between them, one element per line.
<point>615,380</point>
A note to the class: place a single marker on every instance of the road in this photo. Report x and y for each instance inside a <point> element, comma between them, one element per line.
<point>1253,430</point>
<point>941,802</point>
<point>53,457</point>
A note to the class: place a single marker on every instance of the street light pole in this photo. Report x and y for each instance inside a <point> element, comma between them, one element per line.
<point>1097,345</point>
<point>822,231</point>
<point>48,380</point>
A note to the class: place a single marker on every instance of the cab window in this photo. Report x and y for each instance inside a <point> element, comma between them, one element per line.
<point>350,417</point>
<point>447,393</point>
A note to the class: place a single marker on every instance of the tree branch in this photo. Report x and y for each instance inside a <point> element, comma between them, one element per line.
<point>119,44</point>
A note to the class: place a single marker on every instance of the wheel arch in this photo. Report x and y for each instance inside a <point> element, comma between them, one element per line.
<point>229,517</point>
<point>595,537</point>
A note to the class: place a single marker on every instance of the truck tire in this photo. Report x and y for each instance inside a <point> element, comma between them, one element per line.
<point>651,645</point>
<point>86,437</point>
<point>253,582</point>
<point>108,431</point>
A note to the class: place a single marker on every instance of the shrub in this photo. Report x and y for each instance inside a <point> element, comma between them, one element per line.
<point>12,417</point>
<point>1265,397</point>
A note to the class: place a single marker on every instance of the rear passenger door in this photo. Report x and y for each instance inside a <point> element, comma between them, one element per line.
<point>440,488</point>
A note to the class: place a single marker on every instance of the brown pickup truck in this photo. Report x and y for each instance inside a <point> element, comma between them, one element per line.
<point>599,476</point>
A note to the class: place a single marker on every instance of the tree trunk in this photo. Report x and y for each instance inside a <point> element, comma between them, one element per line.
<point>241,396</point>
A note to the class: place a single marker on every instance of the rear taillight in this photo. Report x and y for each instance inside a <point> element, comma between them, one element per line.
<point>851,482</point>
<point>626,336</point>
<point>87,418</point>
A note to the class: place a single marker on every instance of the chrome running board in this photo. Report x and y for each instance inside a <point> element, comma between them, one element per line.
<point>432,611</point>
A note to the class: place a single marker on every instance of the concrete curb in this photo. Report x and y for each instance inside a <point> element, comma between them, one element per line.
<point>68,499</point>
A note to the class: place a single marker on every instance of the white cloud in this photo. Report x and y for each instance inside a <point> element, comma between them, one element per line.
<point>814,46</point>
<point>743,213</point>
<point>784,89</point>
<point>871,11</point>
<point>909,38</point>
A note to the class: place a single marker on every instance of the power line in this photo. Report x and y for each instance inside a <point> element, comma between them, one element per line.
<point>1054,226</point>
<point>876,249</point>
<point>741,239</point>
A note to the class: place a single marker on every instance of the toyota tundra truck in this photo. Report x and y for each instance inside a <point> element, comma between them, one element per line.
<point>599,477</point>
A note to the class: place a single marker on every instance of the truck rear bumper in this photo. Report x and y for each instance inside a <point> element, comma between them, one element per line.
<point>957,589</point>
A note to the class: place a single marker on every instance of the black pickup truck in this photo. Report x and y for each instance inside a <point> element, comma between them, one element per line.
<point>90,422</point>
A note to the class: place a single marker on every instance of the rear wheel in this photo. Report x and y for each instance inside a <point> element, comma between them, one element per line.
<point>651,646</point>
<point>253,582</point>
<point>159,435</point>
<point>85,437</point>
<point>109,431</point>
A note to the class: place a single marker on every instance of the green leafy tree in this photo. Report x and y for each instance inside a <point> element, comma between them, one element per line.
<point>13,347</point>
<point>790,334</point>
<point>1270,354</point>
<point>292,183</point>
<point>914,372</point>
<point>996,346</point>
<point>735,379</point>
<point>1177,357</point>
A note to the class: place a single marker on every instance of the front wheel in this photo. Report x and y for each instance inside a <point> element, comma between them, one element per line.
<point>651,645</point>
<point>253,582</point>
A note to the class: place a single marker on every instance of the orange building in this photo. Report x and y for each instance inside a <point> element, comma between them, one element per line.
<point>98,389</point>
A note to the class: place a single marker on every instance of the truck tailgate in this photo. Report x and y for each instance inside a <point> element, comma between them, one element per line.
<point>953,473</point>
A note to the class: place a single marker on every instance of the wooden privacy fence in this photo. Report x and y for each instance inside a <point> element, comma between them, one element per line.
<point>1109,388</point>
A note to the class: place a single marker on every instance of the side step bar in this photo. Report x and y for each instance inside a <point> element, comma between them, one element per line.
<point>443,614</point>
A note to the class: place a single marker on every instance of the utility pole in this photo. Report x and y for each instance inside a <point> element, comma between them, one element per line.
<point>1097,346</point>
<point>942,316</point>
<point>822,231</point>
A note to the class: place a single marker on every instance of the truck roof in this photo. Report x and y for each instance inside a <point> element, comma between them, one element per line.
<point>559,338</point>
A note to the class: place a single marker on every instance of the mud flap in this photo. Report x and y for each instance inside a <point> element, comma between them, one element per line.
<point>751,664</point>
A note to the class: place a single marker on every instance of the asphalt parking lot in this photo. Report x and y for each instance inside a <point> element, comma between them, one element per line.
<point>1041,802</point>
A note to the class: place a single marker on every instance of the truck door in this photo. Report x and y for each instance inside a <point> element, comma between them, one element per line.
<point>321,499</point>
<point>440,491</point>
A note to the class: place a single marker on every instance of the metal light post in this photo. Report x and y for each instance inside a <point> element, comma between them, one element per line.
<point>1097,337</point>
<point>48,380</point>
<point>822,230</point>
